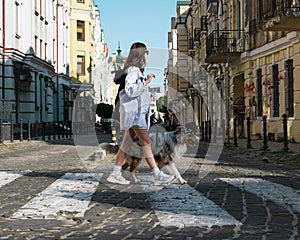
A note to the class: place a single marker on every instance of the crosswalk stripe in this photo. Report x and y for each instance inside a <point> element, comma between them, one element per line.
<point>183,206</point>
<point>282,195</point>
<point>9,176</point>
<point>68,196</point>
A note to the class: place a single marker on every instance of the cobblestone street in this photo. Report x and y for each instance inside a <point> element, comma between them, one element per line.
<point>46,192</point>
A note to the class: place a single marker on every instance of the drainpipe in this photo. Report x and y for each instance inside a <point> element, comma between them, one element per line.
<point>3,49</point>
<point>57,97</point>
<point>57,80</point>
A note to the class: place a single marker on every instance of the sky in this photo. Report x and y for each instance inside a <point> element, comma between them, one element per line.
<point>147,21</point>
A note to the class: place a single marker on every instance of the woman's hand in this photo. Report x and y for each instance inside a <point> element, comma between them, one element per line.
<point>149,78</point>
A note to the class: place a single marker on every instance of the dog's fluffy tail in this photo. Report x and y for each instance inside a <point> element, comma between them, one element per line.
<point>109,148</point>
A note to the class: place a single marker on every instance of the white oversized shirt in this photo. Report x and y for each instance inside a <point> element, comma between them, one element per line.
<point>134,100</point>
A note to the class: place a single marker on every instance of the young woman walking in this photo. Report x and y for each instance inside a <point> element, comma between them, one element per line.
<point>135,114</point>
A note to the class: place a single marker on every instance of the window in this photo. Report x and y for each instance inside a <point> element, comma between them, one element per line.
<point>80,65</point>
<point>41,8</point>
<point>35,44</point>
<point>275,93</point>
<point>45,10</point>
<point>35,6</point>
<point>259,108</point>
<point>41,49</point>
<point>80,1</point>
<point>63,52</point>
<point>53,51</point>
<point>45,50</point>
<point>17,18</point>
<point>289,87</point>
<point>80,30</point>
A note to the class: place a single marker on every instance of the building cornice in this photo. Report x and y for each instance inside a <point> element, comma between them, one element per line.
<point>270,48</point>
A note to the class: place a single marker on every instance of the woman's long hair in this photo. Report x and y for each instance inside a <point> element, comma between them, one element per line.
<point>136,57</point>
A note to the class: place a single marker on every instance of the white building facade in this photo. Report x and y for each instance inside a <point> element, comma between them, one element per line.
<point>34,69</point>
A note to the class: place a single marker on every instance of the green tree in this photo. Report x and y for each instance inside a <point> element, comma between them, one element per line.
<point>104,110</point>
<point>160,105</point>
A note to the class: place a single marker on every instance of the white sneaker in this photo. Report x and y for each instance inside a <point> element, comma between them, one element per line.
<point>116,177</point>
<point>163,178</point>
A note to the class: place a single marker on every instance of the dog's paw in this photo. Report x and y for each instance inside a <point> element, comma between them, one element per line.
<point>182,181</point>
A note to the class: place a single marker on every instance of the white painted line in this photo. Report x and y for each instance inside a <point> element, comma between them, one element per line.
<point>277,193</point>
<point>9,176</point>
<point>183,206</point>
<point>69,196</point>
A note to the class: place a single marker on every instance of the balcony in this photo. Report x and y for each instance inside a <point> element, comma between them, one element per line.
<point>280,15</point>
<point>212,6</point>
<point>191,45</point>
<point>197,35</point>
<point>204,24</point>
<point>224,46</point>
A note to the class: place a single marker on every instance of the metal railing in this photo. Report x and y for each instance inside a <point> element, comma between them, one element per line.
<point>271,8</point>
<point>225,41</point>
<point>34,131</point>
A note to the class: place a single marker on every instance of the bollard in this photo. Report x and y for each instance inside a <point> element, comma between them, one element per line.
<point>121,135</point>
<point>114,138</point>
<point>248,133</point>
<point>68,130</point>
<point>66,135</point>
<point>1,132</point>
<point>234,133</point>
<point>265,147</point>
<point>206,131</point>
<point>202,131</point>
<point>215,127</point>
<point>44,131</point>
<point>285,135</point>
<point>29,131</point>
<point>209,130</point>
<point>71,128</point>
<point>63,129</point>
<point>11,129</point>
<point>53,131</point>
<point>49,131</point>
<point>21,130</point>
<point>58,129</point>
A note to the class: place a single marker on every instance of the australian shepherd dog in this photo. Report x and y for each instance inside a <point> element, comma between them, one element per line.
<point>167,148</point>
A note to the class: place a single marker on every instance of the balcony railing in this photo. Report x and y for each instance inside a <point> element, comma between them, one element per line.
<point>204,24</point>
<point>224,46</point>
<point>197,35</point>
<point>195,39</point>
<point>212,6</point>
<point>280,15</point>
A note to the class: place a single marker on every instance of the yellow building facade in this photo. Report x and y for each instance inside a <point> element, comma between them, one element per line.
<point>81,40</point>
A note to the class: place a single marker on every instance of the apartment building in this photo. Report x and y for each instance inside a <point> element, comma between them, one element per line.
<point>82,44</point>
<point>250,50</point>
<point>34,65</point>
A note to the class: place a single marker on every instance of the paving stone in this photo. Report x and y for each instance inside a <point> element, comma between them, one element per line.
<point>113,214</point>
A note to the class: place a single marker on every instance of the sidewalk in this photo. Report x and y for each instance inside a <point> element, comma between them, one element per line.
<point>274,153</point>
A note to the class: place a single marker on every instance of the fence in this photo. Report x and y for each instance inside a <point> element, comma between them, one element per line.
<point>206,132</point>
<point>33,131</point>
<point>265,133</point>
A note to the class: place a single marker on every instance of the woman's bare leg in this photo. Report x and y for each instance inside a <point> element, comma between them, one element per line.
<point>145,140</point>
<point>125,146</point>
